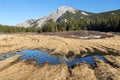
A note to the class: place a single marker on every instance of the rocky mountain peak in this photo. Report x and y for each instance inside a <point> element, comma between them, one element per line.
<point>64,8</point>
<point>54,15</point>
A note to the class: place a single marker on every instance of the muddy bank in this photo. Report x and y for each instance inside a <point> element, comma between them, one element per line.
<point>13,69</point>
<point>80,34</point>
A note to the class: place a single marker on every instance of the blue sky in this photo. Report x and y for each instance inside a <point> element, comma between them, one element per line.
<point>16,11</point>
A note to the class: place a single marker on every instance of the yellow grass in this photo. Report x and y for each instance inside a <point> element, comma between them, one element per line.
<point>17,42</point>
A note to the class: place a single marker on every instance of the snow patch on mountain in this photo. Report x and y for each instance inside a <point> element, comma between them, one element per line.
<point>84,13</point>
<point>54,15</point>
<point>112,13</point>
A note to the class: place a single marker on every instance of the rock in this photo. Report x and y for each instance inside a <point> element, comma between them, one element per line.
<point>54,15</point>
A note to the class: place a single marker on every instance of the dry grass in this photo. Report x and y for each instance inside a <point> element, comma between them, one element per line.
<point>21,70</point>
<point>13,69</point>
<point>17,42</point>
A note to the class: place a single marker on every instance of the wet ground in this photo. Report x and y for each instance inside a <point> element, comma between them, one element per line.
<point>42,57</point>
<point>80,34</point>
<point>23,68</point>
<point>4,56</point>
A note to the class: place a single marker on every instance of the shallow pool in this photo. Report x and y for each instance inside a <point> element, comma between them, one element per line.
<point>42,57</point>
<point>38,56</point>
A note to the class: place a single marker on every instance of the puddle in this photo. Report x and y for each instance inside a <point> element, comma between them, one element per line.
<point>42,57</point>
<point>39,56</point>
<point>91,37</point>
<point>88,59</point>
<point>87,37</point>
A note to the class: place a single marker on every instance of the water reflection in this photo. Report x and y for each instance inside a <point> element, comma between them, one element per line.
<point>38,56</point>
<point>42,57</point>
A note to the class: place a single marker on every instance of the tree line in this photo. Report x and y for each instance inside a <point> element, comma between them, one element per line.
<point>13,29</point>
<point>111,23</point>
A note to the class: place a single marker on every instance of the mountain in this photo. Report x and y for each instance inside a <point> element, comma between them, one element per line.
<point>56,16</point>
<point>66,13</point>
<point>79,16</point>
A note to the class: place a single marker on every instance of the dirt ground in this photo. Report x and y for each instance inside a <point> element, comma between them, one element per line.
<point>77,34</point>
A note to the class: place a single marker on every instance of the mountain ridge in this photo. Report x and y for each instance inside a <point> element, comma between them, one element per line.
<point>62,13</point>
<point>54,15</point>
